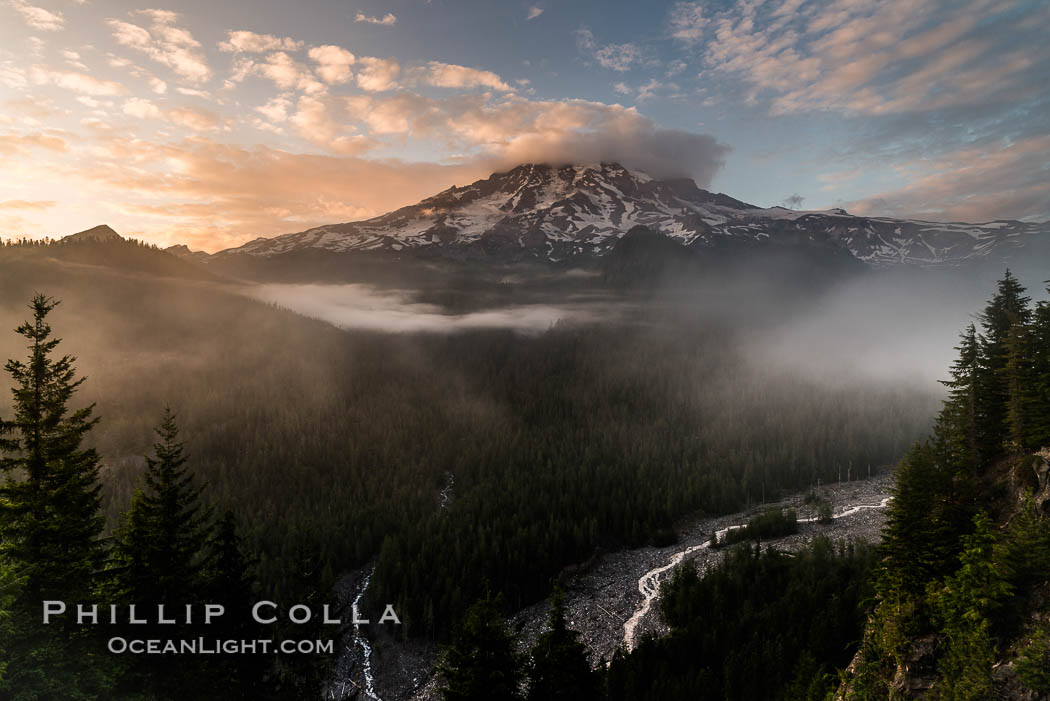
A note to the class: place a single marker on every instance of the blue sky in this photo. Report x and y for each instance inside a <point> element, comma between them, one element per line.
<point>211,123</point>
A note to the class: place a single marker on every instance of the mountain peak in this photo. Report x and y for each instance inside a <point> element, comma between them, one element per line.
<point>102,232</point>
<point>562,211</point>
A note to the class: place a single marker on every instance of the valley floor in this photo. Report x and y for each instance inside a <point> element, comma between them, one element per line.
<point>602,596</point>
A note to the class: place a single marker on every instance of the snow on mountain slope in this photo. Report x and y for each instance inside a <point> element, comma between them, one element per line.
<point>557,213</point>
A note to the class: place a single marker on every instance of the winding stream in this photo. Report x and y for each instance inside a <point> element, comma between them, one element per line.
<point>649,583</point>
<point>362,641</point>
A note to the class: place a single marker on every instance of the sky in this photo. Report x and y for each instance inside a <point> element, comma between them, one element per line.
<point>213,123</point>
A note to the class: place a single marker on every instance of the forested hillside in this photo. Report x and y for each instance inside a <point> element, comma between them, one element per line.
<point>963,588</point>
<point>333,447</point>
<point>954,604</point>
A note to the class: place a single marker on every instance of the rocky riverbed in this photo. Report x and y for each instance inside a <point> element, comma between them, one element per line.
<point>604,594</point>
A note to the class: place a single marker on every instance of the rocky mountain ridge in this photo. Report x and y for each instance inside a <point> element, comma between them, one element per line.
<point>538,211</point>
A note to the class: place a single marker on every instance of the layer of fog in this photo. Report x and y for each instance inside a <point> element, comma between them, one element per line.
<point>366,307</point>
<point>897,326</point>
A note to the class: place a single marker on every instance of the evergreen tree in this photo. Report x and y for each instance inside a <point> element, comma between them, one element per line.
<point>228,577</point>
<point>481,664</point>
<point>1038,429</point>
<point>964,604</point>
<point>560,669</point>
<point>919,537</point>
<point>959,422</point>
<point>161,548</point>
<point>229,582</point>
<point>50,525</point>
<point>50,504</point>
<point>10,585</point>
<point>1017,376</point>
<point>1007,311</point>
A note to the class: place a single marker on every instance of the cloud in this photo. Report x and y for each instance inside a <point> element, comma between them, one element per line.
<point>283,70</point>
<point>73,59</point>
<point>387,20</point>
<point>617,57</point>
<point>315,122</point>
<point>165,43</point>
<point>377,74</point>
<point>12,143</point>
<point>976,184</point>
<point>38,17</point>
<point>33,205</point>
<point>622,88</point>
<point>687,22</point>
<point>242,41</point>
<point>12,76</point>
<point>276,110</point>
<point>366,307</point>
<point>869,58</point>
<point>192,118</point>
<point>447,75</point>
<point>577,131</point>
<point>333,63</point>
<point>143,109</point>
<point>501,132</point>
<point>534,12</point>
<point>77,82</point>
<point>220,195</point>
<point>188,117</point>
<point>213,195</point>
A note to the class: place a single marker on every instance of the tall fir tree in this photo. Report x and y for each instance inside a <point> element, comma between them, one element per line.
<point>50,517</point>
<point>50,524</point>
<point>1007,311</point>
<point>161,548</point>
<point>920,536</point>
<point>560,670</point>
<point>1038,430</point>
<point>481,664</point>
<point>959,421</point>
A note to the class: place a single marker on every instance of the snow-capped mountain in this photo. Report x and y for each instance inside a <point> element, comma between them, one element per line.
<point>558,213</point>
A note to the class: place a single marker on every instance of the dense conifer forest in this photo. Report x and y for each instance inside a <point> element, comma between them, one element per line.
<point>954,604</point>
<point>333,449</point>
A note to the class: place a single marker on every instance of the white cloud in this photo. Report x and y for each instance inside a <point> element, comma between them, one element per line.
<point>77,82</point>
<point>73,59</point>
<point>618,57</point>
<point>333,63</point>
<point>38,17</point>
<point>143,109</point>
<point>534,12</point>
<point>447,75</point>
<point>242,41</point>
<point>387,20</point>
<point>622,88</point>
<point>276,110</point>
<point>193,92</point>
<point>315,123</point>
<point>871,58</point>
<point>377,74</point>
<point>195,119</point>
<point>285,72</point>
<point>687,21</point>
<point>12,76</point>
<point>975,183</point>
<point>165,43</point>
